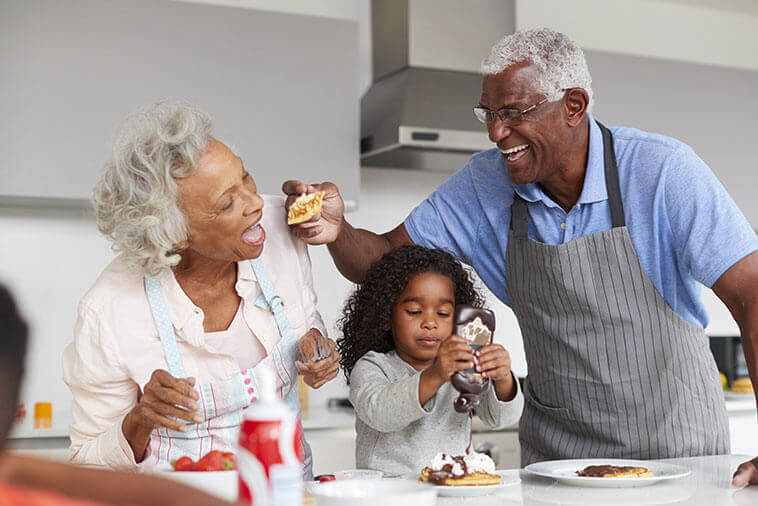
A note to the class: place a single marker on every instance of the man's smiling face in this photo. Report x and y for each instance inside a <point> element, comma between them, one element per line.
<point>533,149</point>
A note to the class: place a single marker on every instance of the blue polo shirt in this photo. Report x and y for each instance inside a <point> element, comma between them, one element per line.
<point>685,227</point>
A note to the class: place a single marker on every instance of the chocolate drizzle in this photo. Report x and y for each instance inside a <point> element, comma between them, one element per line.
<point>470,431</point>
<point>602,471</point>
<point>439,477</point>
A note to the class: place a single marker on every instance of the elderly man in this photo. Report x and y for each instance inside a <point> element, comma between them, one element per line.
<point>599,240</point>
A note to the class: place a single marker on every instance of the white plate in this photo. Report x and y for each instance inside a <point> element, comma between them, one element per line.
<point>565,472</point>
<point>222,484</point>
<point>507,478</point>
<point>373,493</point>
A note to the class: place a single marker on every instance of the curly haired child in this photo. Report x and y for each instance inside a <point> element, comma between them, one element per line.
<point>398,354</point>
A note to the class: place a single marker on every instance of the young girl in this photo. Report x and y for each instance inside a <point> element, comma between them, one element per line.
<point>398,355</point>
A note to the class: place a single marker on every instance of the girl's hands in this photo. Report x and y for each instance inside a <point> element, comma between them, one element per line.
<point>494,362</point>
<point>453,355</point>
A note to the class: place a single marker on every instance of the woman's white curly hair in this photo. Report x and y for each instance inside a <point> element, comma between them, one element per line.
<point>136,199</point>
<point>559,59</point>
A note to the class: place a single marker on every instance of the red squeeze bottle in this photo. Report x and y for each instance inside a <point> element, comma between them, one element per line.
<point>270,453</point>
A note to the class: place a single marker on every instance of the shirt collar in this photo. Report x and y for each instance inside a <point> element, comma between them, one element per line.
<point>594,189</point>
<point>183,311</point>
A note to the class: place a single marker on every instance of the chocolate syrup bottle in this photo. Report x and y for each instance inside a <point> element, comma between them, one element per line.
<point>476,326</point>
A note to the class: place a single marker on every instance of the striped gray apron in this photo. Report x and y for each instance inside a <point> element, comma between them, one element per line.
<point>613,370</point>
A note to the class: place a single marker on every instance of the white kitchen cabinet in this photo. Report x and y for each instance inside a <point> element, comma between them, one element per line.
<point>743,427</point>
<point>333,449</point>
<point>282,89</point>
<point>504,447</point>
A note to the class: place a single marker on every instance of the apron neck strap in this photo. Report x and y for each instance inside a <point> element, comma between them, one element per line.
<point>519,224</point>
<point>165,328</point>
<point>274,301</point>
<point>518,208</point>
<point>612,184</point>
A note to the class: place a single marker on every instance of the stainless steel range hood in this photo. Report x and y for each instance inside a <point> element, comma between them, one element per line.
<point>418,112</point>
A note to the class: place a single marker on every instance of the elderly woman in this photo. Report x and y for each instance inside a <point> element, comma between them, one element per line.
<point>209,287</point>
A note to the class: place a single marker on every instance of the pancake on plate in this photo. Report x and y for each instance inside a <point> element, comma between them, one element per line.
<point>614,472</point>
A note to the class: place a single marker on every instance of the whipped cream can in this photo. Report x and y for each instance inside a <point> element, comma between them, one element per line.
<point>270,452</point>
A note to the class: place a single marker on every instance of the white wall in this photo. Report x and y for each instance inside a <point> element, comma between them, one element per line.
<point>355,10</point>
<point>720,32</point>
<point>48,259</point>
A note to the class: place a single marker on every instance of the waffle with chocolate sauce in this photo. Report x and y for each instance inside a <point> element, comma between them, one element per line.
<point>446,477</point>
<point>614,472</point>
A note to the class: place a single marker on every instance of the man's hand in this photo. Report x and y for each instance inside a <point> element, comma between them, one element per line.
<point>322,228</point>
<point>317,374</point>
<point>746,474</point>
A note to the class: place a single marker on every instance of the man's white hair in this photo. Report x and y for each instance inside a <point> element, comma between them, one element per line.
<point>136,199</point>
<point>559,59</point>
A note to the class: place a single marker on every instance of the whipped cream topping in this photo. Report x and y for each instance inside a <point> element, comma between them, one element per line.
<point>479,463</point>
<point>442,459</point>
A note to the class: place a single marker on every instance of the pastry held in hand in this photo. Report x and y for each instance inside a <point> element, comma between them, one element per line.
<point>476,326</point>
<point>305,207</point>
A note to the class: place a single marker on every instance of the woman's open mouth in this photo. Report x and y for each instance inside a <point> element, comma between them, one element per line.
<point>254,236</point>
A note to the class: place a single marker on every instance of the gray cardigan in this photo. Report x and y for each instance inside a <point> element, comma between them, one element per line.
<point>395,434</point>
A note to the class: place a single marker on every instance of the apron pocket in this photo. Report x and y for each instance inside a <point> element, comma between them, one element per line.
<point>531,399</point>
<point>585,423</point>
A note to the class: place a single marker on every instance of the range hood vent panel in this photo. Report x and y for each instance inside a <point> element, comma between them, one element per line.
<point>413,116</point>
<point>422,107</point>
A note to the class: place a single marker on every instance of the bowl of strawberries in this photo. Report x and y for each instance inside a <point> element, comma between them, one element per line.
<point>215,473</point>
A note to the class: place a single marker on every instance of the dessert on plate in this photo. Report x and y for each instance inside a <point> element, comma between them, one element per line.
<point>473,469</point>
<point>615,472</point>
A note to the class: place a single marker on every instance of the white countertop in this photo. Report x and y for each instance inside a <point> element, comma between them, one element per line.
<point>708,485</point>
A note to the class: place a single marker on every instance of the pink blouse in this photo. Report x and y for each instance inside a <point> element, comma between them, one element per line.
<point>238,340</point>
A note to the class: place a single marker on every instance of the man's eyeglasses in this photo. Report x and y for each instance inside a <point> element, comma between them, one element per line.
<point>509,115</point>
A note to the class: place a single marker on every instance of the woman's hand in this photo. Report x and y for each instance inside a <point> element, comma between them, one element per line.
<point>322,228</point>
<point>165,401</point>
<point>495,363</point>
<point>317,374</point>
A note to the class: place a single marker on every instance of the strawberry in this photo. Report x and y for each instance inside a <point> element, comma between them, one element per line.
<point>211,461</point>
<point>326,477</point>
<point>229,461</point>
<point>184,464</point>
